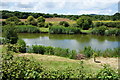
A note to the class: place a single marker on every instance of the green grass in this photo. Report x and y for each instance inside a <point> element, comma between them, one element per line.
<point>52,63</point>
<point>42,29</point>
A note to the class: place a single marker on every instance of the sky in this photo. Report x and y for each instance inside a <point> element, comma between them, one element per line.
<point>66,7</point>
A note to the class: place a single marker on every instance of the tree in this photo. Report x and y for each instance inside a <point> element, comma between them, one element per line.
<point>22,45</point>
<point>10,34</point>
<point>84,22</point>
<point>14,20</point>
<point>31,20</point>
<point>64,23</point>
<point>41,21</point>
<point>116,16</point>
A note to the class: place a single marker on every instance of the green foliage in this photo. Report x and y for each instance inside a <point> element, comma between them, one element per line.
<point>88,52</point>
<point>41,21</point>
<point>63,30</point>
<point>22,45</point>
<point>3,23</point>
<point>31,21</point>
<point>97,24</point>
<point>21,23</point>
<point>19,68</point>
<point>100,30</point>
<point>24,15</point>
<point>47,25</point>
<point>116,16</point>
<point>52,51</point>
<point>64,23</point>
<point>115,32</point>
<point>27,29</point>
<point>108,24</point>
<point>38,49</point>
<point>107,74</point>
<point>10,34</point>
<point>111,52</point>
<point>13,20</point>
<point>85,22</point>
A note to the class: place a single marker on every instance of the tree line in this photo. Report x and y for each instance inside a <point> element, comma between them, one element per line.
<point>23,15</point>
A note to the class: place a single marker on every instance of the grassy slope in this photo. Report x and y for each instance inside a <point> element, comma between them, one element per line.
<point>55,62</point>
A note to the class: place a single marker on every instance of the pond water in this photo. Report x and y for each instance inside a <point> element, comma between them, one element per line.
<point>73,42</point>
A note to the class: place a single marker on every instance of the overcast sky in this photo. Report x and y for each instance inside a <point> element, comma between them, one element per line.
<point>75,7</point>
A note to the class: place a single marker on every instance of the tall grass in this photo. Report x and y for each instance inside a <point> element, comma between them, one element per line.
<point>27,29</point>
<point>57,29</point>
<point>39,49</point>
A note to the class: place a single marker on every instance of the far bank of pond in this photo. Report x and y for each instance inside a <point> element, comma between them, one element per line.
<point>73,42</point>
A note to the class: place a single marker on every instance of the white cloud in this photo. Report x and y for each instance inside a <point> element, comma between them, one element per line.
<point>51,6</point>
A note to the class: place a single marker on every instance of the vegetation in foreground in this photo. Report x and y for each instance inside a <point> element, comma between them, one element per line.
<point>16,66</point>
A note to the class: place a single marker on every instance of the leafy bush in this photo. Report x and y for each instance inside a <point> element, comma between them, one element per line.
<point>10,34</point>
<point>115,32</point>
<point>14,20</point>
<point>64,23</point>
<point>27,29</point>
<point>22,45</point>
<point>41,21</point>
<point>48,25</point>
<point>108,24</point>
<point>19,68</point>
<point>97,24</point>
<point>31,21</point>
<point>85,22</point>
<point>100,30</point>
<point>107,74</point>
<point>63,30</point>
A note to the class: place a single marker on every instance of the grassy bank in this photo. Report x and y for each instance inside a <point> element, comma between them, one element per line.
<point>54,62</point>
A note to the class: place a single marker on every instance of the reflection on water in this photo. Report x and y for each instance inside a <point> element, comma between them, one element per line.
<point>74,42</point>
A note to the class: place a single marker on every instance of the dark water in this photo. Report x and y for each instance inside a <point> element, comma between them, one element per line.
<point>73,42</point>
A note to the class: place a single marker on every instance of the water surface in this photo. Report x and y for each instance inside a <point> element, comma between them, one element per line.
<point>73,42</point>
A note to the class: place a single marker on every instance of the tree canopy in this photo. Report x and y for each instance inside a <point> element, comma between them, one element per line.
<point>84,22</point>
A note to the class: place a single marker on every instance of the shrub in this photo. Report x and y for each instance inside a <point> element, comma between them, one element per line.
<point>27,29</point>
<point>10,34</point>
<point>115,32</point>
<point>97,24</point>
<point>40,21</point>
<point>31,20</point>
<point>64,23</point>
<point>100,30</point>
<point>14,20</point>
<point>19,68</point>
<point>21,23</point>
<point>85,22</point>
<point>48,25</point>
<point>107,74</point>
<point>108,24</point>
<point>22,45</point>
